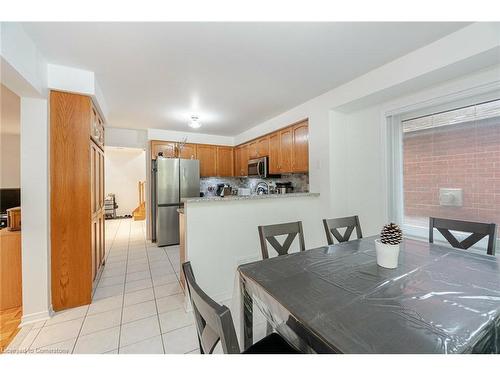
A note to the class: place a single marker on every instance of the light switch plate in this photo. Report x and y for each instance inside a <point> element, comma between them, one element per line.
<point>450,197</point>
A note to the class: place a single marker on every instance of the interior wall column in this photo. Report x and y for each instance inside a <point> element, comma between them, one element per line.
<point>35,235</point>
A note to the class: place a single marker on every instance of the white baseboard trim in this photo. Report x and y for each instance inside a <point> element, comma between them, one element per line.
<point>35,317</point>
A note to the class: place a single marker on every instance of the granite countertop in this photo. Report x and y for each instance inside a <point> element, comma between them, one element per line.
<point>247,197</point>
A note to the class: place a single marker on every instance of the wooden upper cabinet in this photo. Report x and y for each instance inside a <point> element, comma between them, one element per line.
<point>263,146</point>
<point>188,151</point>
<point>207,155</point>
<point>274,153</point>
<point>96,128</point>
<point>253,152</point>
<point>300,154</point>
<point>167,148</point>
<point>286,145</point>
<point>237,161</point>
<point>225,163</point>
<point>244,161</point>
<point>287,149</point>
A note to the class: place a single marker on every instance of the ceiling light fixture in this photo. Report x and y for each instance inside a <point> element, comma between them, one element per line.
<point>194,123</point>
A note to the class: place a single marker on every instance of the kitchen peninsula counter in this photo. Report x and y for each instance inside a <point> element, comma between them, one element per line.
<point>213,198</point>
<point>220,233</point>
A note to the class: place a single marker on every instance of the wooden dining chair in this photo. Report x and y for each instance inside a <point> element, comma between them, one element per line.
<point>214,324</point>
<point>478,231</point>
<point>332,226</point>
<point>268,233</point>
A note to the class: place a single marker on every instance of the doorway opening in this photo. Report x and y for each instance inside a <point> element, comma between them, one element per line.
<point>10,219</point>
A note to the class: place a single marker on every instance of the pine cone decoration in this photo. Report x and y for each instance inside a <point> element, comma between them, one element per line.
<point>391,234</point>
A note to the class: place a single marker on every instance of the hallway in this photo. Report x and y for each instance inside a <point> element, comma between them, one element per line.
<point>137,306</point>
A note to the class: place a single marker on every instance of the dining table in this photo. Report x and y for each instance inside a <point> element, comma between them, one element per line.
<point>336,299</point>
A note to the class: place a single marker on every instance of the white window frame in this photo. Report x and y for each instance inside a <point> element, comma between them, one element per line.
<point>394,159</point>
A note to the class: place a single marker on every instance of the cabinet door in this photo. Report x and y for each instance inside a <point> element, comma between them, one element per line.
<point>252,150</point>
<point>102,242</point>
<point>101,179</point>
<point>237,161</point>
<point>101,131</point>
<point>167,148</point>
<point>94,251</point>
<point>274,153</point>
<point>93,179</point>
<point>224,161</point>
<point>244,161</point>
<point>300,155</point>
<point>263,146</point>
<point>207,155</point>
<point>286,143</point>
<point>188,151</point>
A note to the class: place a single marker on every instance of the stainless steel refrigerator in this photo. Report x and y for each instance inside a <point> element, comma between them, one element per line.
<point>173,179</point>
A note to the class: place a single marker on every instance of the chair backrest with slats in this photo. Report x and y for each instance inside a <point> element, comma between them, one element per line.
<point>213,321</point>
<point>333,225</point>
<point>478,232</point>
<point>268,233</point>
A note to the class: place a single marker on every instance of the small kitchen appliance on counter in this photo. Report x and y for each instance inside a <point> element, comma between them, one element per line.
<point>284,187</point>
<point>223,190</point>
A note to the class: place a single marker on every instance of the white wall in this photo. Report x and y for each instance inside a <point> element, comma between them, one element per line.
<point>220,235</point>
<point>20,53</point>
<point>10,163</point>
<point>358,161</point>
<point>10,128</point>
<point>347,151</point>
<point>66,78</point>
<point>176,136</point>
<point>124,168</point>
<point>133,138</point>
<point>35,209</point>
<point>24,71</point>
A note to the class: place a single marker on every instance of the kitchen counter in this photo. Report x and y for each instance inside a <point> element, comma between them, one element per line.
<point>222,233</point>
<point>247,197</point>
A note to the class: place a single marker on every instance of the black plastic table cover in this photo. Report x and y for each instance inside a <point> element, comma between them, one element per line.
<point>336,299</point>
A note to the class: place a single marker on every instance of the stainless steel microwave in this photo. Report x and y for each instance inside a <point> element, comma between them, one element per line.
<point>258,167</point>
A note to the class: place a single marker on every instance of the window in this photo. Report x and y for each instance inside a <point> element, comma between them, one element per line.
<point>451,166</point>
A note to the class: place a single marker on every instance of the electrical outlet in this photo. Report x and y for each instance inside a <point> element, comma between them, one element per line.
<point>450,197</point>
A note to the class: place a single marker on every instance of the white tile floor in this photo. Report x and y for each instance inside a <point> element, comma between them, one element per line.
<point>137,307</point>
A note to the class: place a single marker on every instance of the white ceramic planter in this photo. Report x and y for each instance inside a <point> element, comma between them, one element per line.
<point>387,255</point>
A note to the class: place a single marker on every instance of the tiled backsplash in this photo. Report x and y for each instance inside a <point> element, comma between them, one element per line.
<point>300,182</point>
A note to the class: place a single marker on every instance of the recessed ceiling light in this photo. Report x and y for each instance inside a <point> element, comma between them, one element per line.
<point>194,123</point>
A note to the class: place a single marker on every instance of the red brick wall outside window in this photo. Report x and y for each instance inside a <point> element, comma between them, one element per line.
<point>465,156</point>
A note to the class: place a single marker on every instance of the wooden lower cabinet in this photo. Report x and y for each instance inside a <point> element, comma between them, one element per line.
<point>76,199</point>
<point>98,243</point>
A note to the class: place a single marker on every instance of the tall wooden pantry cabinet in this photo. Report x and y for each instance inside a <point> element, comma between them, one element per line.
<point>76,198</point>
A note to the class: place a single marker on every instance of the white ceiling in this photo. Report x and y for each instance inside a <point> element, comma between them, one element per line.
<point>232,75</point>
